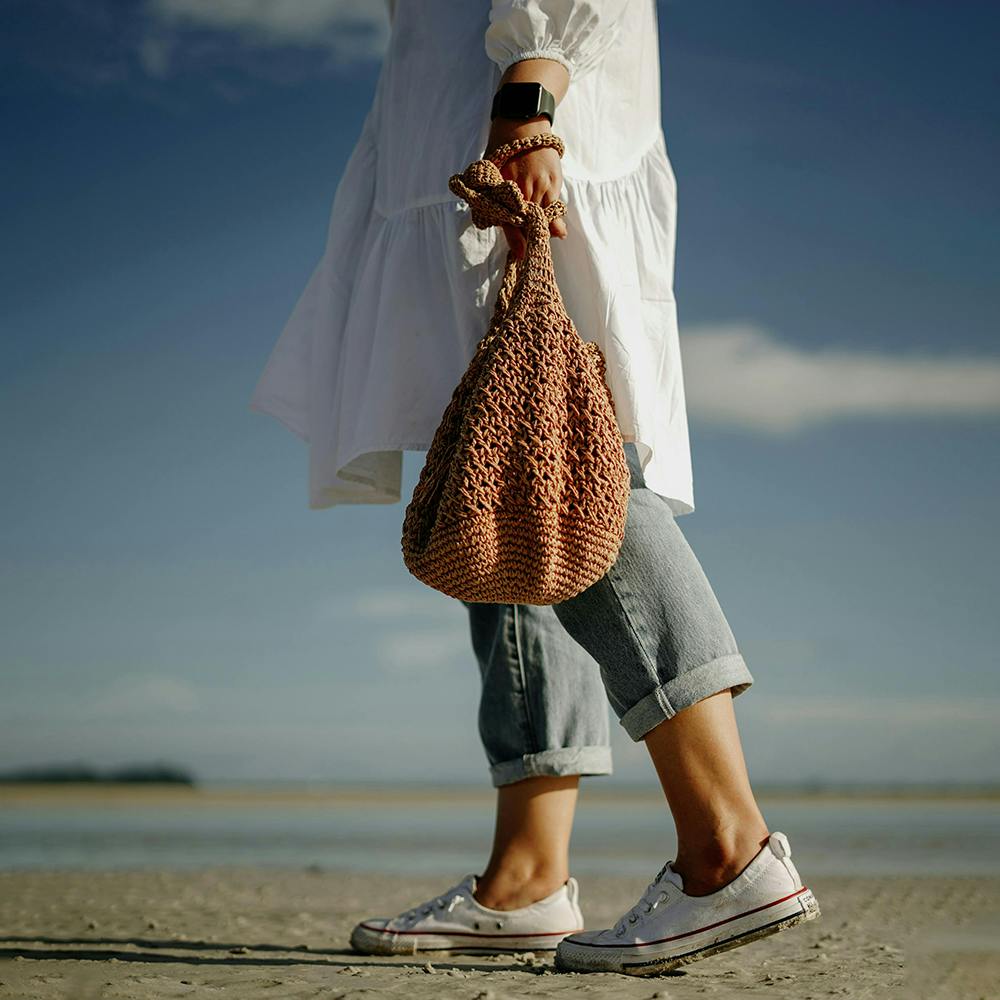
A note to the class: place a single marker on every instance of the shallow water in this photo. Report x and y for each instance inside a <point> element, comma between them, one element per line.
<point>451,836</point>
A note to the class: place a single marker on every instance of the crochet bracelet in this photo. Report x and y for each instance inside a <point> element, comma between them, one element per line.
<point>503,153</point>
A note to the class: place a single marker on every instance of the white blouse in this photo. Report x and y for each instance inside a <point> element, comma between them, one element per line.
<point>404,291</point>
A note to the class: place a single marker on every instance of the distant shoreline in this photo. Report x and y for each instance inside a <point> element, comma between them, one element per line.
<point>247,794</point>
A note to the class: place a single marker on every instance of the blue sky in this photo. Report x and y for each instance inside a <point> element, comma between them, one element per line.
<point>165,186</point>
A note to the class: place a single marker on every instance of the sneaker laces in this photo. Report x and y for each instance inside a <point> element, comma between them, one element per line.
<point>447,902</point>
<point>650,899</point>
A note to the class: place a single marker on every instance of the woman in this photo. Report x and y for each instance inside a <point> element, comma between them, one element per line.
<point>364,370</point>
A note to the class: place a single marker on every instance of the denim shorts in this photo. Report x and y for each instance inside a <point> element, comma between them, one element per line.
<point>649,637</point>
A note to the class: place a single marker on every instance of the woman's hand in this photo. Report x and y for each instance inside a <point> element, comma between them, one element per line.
<point>537,172</point>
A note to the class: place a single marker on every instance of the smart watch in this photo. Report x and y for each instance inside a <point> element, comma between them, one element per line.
<point>523,100</point>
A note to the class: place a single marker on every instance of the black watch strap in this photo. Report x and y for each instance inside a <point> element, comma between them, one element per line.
<point>523,100</point>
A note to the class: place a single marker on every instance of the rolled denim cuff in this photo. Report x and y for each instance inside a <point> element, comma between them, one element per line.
<point>681,692</point>
<point>556,763</point>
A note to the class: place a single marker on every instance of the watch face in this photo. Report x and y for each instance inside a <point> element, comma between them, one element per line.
<point>520,100</point>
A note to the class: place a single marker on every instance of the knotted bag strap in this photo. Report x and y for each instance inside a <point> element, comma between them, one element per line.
<point>495,201</point>
<point>508,150</point>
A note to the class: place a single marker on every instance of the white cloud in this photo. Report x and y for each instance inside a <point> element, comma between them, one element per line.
<point>280,22</point>
<point>154,55</point>
<point>146,693</point>
<point>349,30</point>
<point>741,375</point>
<point>376,602</point>
<point>394,605</point>
<point>430,651</point>
<point>414,629</point>
<point>420,630</point>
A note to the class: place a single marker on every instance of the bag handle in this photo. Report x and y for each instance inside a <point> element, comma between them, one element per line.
<point>509,150</point>
<point>494,200</point>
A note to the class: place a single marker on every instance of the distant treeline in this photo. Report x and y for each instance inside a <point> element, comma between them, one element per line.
<point>84,773</point>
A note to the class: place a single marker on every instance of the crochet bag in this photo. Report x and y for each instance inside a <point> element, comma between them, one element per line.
<point>523,494</point>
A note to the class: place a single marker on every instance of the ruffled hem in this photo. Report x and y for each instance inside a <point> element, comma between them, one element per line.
<point>374,476</point>
<point>392,314</point>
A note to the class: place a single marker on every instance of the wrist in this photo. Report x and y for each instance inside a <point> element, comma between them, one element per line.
<point>513,128</point>
<point>505,129</point>
<point>549,73</point>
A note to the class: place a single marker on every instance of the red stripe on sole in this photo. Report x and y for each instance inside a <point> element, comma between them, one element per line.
<point>472,934</point>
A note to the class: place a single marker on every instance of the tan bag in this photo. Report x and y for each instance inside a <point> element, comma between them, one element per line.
<point>524,491</point>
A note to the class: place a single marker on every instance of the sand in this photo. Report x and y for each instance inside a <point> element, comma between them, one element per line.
<point>273,933</point>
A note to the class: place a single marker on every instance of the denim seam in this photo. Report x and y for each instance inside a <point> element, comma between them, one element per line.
<point>651,666</point>
<point>719,674</point>
<point>526,701</point>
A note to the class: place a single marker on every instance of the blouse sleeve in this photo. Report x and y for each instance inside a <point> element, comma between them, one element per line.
<point>576,33</point>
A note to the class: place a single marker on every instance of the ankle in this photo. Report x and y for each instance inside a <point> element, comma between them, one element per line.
<point>511,887</point>
<point>711,860</point>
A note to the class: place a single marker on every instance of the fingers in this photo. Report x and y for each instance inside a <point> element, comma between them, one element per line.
<point>557,227</point>
<point>540,185</point>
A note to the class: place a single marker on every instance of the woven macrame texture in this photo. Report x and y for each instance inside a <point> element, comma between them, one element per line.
<point>524,492</point>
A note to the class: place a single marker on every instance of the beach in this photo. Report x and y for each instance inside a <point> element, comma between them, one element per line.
<point>263,930</point>
<point>254,933</point>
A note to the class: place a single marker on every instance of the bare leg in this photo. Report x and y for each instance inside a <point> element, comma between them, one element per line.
<point>530,858</point>
<point>699,760</point>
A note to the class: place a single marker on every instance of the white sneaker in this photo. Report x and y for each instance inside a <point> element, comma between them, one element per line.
<point>668,928</point>
<point>455,921</point>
